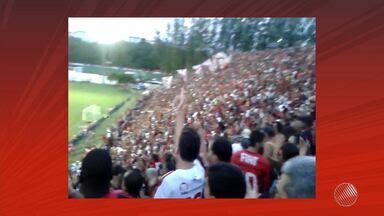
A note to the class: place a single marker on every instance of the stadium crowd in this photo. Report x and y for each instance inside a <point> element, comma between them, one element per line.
<point>245,130</point>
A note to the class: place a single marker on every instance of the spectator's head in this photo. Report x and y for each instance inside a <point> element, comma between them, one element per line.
<point>170,162</point>
<point>226,181</point>
<point>289,151</point>
<point>298,179</point>
<point>141,164</point>
<point>71,192</point>
<point>133,182</point>
<point>117,176</point>
<point>313,114</point>
<point>152,176</point>
<point>307,121</point>
<point>189,144</point>
<point>269,132</point>
<point>298,125</point>
<point>246,133</point>
<point>257,137</point>
<point>117,169</point>
<point>221,127</point>
<point>220,151</point>
<point>96,173</point>
<point>278,127</point>
<point>245,143</point>
<point>155,158</point>
<point>289,131</point>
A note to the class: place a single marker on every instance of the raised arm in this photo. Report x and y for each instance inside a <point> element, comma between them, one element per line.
<point>180,115</point>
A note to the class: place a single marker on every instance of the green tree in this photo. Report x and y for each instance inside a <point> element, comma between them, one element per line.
<point>83,52</point>
<point>122,78</point>
<point>190,43</point>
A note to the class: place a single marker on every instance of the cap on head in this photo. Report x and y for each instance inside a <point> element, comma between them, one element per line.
<point>246,133</point>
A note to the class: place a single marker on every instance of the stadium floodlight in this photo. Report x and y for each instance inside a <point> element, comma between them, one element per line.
<point>91,113</point>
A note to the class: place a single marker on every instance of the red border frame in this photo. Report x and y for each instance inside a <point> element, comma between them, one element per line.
<point>33,60</point>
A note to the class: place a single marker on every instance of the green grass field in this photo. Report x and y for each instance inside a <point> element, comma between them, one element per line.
<point>81,95</point>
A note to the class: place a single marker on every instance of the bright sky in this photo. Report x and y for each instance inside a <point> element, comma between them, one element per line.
<point>111,30</point>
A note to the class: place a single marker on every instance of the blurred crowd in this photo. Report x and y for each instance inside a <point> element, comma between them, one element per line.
<point>249,126</point>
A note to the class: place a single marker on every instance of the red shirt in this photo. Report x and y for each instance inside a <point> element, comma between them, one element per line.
<point>112,193</point>
<point>256,168</point>
<point>123,194</point>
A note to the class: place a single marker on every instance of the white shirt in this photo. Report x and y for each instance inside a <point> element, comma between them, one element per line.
<point>236,147</point>
<point>183,183</point>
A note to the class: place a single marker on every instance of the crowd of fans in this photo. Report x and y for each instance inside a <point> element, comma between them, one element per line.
<point>244,131</point>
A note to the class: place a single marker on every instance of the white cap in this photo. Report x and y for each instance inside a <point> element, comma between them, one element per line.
<point>246,133</point>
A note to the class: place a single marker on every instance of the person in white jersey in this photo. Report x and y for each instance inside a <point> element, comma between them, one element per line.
<point>187,181</point>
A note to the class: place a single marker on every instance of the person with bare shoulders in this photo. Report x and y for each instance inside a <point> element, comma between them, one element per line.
<point>279,138</point>
<point>275,139</point>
